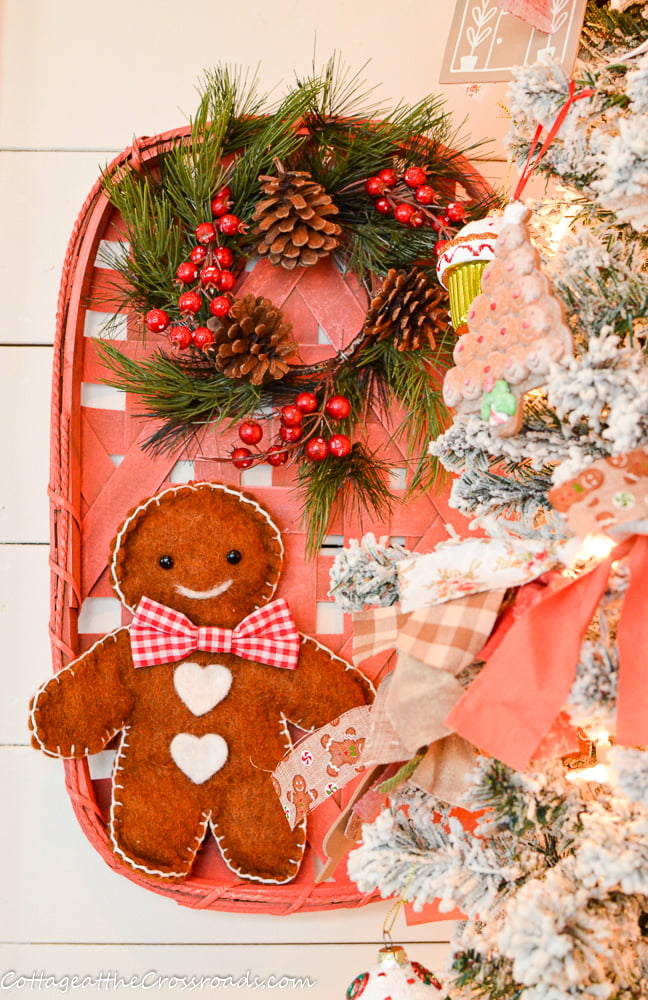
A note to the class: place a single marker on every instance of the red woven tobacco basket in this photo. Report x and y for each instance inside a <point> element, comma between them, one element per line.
<point>89,495</point>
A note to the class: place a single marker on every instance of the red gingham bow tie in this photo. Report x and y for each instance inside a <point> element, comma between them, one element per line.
<point>161,635</point>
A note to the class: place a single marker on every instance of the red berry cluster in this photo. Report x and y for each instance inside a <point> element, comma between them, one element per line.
<point>208,271</point>
<point>411,200</point>
<point>292,430</point>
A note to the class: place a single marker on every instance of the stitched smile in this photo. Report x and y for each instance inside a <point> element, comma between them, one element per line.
<point>204,595</point>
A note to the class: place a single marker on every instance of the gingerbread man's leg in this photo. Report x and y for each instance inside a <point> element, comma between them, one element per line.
<point>253,833</point>
<point>155,826</point>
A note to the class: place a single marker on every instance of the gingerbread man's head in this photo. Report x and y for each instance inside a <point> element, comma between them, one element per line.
<point>205,549</point>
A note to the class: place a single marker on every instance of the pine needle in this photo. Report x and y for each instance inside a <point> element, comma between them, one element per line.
<point>355,484</point>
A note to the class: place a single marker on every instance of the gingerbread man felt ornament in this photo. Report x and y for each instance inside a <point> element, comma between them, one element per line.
<point>516,329</point>
<point>198,687</point>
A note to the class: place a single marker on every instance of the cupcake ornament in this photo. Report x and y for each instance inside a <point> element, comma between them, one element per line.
<point>515,330</point>
<point>461,264</point>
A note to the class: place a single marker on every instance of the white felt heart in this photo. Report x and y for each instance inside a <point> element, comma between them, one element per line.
<point>199,756</point>
<point>201,688</point>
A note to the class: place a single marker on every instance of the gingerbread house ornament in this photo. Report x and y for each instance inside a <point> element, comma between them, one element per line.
<point>516,330</point>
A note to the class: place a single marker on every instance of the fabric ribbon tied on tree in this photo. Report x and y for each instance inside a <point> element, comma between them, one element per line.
<point>519,694</point>
<point>434,644</point>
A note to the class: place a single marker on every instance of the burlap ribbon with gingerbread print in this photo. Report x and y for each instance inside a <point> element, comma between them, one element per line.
<point>321,764</point>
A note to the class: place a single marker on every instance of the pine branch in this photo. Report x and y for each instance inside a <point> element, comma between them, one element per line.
<point>355,484</point>
<point>169,394</point>
<point>414,378</point>
<point>147,271</point>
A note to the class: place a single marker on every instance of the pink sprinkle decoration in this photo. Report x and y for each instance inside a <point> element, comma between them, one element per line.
<point>467,381</point>
<point>525,324</point>
<point>493,305</point>
<point>503,332</point>
<point>480,339</point>
<point>471,314</point>
<point>460,347</point>
<point>486,368</point>
<point>516,293</point>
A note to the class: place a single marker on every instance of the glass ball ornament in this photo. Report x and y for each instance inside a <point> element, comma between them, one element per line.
<point>394,977</point>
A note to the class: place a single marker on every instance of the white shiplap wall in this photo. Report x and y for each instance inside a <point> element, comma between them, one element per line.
<point>78,80</point>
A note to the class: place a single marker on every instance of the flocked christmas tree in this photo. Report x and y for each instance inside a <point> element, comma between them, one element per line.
<point>554,881</point>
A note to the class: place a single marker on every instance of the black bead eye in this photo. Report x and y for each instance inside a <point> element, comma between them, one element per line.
<point>166,562</point>
<point>233,556</point>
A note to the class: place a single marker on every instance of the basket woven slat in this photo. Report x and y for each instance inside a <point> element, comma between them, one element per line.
<point>91,490</point>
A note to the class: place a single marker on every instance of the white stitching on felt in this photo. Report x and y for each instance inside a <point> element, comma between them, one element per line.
<point>283,728</point>
<point>203,595</point>
<point>256,878</point>
<point>113,819</point>
<point>340,659</point>
<point>57,677</point>
<point>175,489</point>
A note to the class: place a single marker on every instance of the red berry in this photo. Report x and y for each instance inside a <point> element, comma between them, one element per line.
<point>389,177</point>
<point>339,445</point>
<point>276,455</point>
<point>224,192</point>
<point>440,246</point>
<point>205,232</point>
<point>226,281</point>
<point>306,401</point>
<point>250,432</point>
<point>383,206</point>
<point>403,212</point>
<point>229,224</point>
<point>198,254</point>
<point>290,434</point>
<point>455,211</point>
<point>190,302</point>
<point>242,458</point>
<point>317,449</point>
<point>202,337</point>
<point>209,274</point>
<point>414,177</point>
<point>180,337</point>
<point>374,186</point>
<point>219,206</point>
<point>224,256</point>
<point>187,272</point>
<point>291,415</point>
<point>425,194</point>
<point>338,407</point>
<point>220,306</point>
<point>156,320</point>
<point>416,219</point>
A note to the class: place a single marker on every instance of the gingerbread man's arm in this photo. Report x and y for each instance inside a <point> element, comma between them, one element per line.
<point>322,687</point>
<point>79,710</point>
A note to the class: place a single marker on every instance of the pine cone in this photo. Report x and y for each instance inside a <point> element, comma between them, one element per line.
<point>408,308</point>
<point>294,228</point>
<point>252,342</point>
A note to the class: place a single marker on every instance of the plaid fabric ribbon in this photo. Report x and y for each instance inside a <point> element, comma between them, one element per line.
<point>161,635</point>
<point>446,636</point>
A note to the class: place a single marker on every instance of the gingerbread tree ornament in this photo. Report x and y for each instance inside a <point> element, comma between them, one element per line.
<point>516,329</point>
